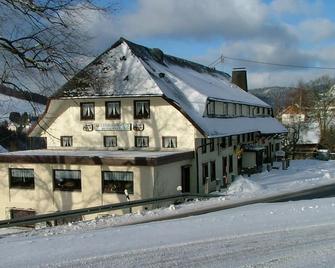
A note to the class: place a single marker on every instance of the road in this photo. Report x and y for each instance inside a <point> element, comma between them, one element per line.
<point>292,234</point>
<point>284,248</point>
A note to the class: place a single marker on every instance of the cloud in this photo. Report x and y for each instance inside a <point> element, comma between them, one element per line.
<point>251,29</point>
<point>318,29</point>
<point>295,7</point>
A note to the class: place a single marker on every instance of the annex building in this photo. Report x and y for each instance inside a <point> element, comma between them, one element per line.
<point>139,120</point>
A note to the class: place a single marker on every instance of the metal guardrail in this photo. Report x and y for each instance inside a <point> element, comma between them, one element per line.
<point>29,220</point>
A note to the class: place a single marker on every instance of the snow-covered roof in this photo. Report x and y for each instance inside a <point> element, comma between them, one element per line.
<point>128,69</point>
<point>2,149</point>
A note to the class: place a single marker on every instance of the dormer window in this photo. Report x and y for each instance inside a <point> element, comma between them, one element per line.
<point>113,110</point>
<point>211,108</point>
<point>142,109</point>
<point>87,111</point>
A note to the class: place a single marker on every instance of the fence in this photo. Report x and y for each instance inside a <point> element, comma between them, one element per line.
<point>29,220</point>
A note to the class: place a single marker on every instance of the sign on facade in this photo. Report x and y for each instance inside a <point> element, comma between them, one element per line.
<point>113,127</point>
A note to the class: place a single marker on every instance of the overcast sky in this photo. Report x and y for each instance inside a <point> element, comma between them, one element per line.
<point>292,32</point>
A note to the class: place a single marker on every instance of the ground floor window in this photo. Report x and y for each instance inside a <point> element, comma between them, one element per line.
<point>141,141</point>
<point>110,141</point>
<point>169,142</point>
<point>213,171</point>
<point>204,172</point>
<point>21,178</point>
<point>230,164</point>
<point>67,180</point>
<point>117,182</point>
<point>66,141</point>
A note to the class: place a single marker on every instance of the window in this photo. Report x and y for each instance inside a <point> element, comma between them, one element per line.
<point>277,146</point>
<point>213,171</point>
<point>66,141</point>
<point>21,178</point>
<point>234,109</point>
<point>225,108</point>
<point>238,139</point>
<point>113,109</point>
<point>204,172</point>
<point>141,109</point>
<point>203,146</point>
<point>230,164</point>
<point>110,141</point>
<point>230,141</point>
<point>211,145</point>
<point>223,142</point>
<point>67,180</point>
<point>211,108</point>
<point>239,112</point>
<point>243,137</point>
<point>117,182</point>
<point>141,141</point>
<point>87,111</point>
<point>169,142</point>
<point>258,110</point>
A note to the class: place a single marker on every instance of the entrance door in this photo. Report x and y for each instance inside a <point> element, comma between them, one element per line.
<point>224,171</point>
<point>185,179</point>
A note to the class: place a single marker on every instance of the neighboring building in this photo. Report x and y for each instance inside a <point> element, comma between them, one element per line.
<point>292,115</point>
<point>140,120</point>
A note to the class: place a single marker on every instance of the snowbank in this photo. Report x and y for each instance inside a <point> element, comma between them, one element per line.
<point>243,186</point>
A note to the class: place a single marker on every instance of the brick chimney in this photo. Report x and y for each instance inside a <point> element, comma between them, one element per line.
<point>239,78</point>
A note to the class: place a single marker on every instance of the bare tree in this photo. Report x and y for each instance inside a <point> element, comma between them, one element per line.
<point>39,41</point>
<point>323,110</point>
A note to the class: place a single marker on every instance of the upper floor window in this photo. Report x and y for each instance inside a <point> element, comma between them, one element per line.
<point>169,142</point>
<point>223,142</point>
<point>66,141</point>
<point>203,145</point>
<point>113,109</point>
<point>67,180</point>
<point>141,141</point>
<point>21,178</point>
<point>117,182</point>
<point>230,141</point>
<point>213,170</point>
<point>87,111</point>
<point>211,145</point>
<point>142,109</point>
<point>110,141</point>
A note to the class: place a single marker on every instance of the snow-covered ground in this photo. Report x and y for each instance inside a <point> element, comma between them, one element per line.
<point>291,234</point>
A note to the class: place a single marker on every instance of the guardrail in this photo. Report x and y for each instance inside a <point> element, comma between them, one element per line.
<point>29,220</point>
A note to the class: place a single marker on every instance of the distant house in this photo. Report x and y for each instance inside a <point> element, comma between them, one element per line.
<point>292,115</point>
<point>139,120</point>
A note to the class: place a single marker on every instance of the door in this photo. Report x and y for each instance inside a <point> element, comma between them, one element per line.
<point>224,171</point>
<point>185,179</point>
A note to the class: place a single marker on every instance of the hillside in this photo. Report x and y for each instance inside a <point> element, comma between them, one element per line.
<point>275,96</point>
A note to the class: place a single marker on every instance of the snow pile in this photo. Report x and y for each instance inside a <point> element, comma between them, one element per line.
<point>243,186</point>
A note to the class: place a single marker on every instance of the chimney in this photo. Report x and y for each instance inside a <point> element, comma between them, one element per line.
<point>239,78</point>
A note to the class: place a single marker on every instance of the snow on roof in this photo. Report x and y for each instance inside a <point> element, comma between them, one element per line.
<point>128,69</point>
<point>95,153</point>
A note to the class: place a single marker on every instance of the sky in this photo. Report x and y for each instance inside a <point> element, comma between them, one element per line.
<point>288,32</point>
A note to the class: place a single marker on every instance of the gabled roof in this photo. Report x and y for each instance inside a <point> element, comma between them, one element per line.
<point>128,69</point>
